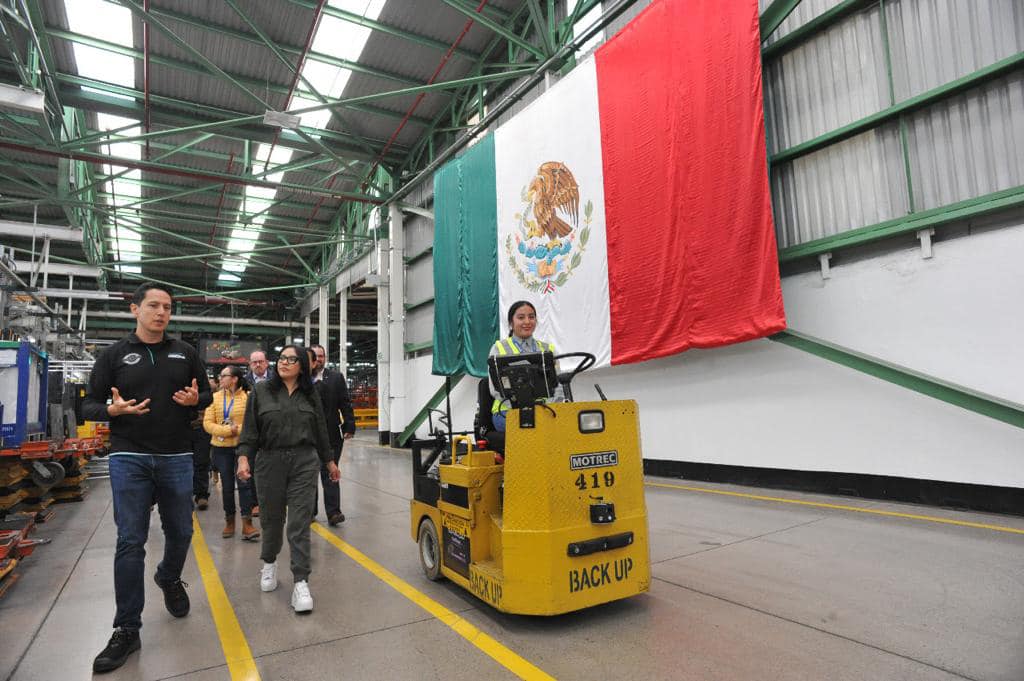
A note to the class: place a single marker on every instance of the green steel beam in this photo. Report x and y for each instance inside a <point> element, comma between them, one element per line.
<point>508,35</point>
<point>224,252</point>
<point>813,27</point>
<point>432,403</point>
<point>957,395</point>
<point>336,104</point>
<point>164,168</point>
<point>774,14</point>
<point>296,71</point>
<point>937,217</point>
<point>178,112</point>
<point>380,26</point>
<point>996,70</point>
<point>409,307</point>
<point>170,152</point>
<point>293,50</point>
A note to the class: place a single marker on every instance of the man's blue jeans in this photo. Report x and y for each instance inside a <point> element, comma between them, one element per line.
<point>137,480</point>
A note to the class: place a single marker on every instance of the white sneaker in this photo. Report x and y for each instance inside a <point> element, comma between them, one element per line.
<point>302,601</point>
<point>268,577</point>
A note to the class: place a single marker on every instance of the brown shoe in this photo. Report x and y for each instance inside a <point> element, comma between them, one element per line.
<point>256,511</point>
<point>249,532</point>
<point>229,527</point>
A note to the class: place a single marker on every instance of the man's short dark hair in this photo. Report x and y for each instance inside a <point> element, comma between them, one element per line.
<point>314,346</point>
<point>146,287</point>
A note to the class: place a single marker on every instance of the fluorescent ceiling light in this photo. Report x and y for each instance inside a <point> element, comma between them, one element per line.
<point>22,99</point>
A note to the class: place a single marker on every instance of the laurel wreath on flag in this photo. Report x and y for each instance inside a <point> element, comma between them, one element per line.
<point>546,284</point>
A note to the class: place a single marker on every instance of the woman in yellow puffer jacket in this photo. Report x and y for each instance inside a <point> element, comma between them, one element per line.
<point>223,421</point>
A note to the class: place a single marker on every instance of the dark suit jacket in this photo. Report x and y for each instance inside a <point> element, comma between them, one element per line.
<point>333,390</point>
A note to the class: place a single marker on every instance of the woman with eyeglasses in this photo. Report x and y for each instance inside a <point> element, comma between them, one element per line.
<point>284,422</point>
<point>223,421</point>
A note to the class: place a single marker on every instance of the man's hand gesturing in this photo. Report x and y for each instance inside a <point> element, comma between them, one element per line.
<point>120,406</point>
<point>187,396</point>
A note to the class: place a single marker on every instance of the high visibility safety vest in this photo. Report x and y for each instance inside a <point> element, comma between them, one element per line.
<point>505,346</point>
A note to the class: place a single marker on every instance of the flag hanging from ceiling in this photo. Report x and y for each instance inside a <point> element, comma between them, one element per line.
<point>632,198</point>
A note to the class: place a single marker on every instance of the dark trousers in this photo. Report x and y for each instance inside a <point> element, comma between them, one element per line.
<point>200,464</point>
<point>253,489</point>
<point>287,481</point>
<point>224,459</point>
<point>332,490</point>
<point>135,480</point>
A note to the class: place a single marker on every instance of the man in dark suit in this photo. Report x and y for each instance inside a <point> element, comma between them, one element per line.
<point>334,394</point>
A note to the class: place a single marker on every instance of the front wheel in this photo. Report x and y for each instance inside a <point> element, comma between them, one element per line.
<point>430,550</point>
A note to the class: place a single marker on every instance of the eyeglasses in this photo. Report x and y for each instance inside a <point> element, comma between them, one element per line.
<point>288,359</point>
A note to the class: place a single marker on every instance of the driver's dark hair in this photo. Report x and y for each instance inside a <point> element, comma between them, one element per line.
<point>140,293</point>
<point>239,374</point>
<point>512,312</point>
<point>305,381</point>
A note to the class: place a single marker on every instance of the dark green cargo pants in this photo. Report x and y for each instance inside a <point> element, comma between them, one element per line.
<point>286,481</point>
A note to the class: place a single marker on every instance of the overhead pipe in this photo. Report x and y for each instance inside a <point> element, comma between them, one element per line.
<point>241,321</point>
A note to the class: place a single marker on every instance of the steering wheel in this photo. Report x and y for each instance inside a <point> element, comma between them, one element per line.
<point>587,360</point>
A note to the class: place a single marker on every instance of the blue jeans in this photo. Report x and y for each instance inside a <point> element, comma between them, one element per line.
<point>226,462</point>
<point>136,481</point>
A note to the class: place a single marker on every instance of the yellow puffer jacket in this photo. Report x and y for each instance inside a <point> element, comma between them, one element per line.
<point>213,419</point>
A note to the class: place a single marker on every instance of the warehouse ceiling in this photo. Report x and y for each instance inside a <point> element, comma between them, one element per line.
<point>152,134</point>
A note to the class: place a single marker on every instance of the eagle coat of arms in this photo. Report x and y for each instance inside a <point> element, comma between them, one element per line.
<point>547,244</point>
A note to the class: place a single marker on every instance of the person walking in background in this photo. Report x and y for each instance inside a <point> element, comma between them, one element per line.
<point>223,421</point>
<point>259,371</point>
<point>155,384</point>
<point>334,395</point>
<point>284,422</point>
<point>200,462</point>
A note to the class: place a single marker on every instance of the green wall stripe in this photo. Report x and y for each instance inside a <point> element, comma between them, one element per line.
<point>421,416</point>
<point>936,217</point>
<point>962,397</point>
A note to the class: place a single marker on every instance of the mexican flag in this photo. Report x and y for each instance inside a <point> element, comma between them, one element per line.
<point>629,203</point>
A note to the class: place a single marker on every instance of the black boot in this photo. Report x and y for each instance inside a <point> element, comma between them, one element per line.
<point>123,643</point>
<point>175,597</point>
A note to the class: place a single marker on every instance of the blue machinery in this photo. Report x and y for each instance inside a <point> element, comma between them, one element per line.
<point>23,386</point>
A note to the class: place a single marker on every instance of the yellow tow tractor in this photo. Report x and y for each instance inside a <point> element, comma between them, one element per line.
<point>556,524</point>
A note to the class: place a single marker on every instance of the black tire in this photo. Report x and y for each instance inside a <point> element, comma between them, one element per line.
<point>430,550</point>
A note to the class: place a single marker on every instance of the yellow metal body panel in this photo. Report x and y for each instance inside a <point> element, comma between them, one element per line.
<point>514,553</point>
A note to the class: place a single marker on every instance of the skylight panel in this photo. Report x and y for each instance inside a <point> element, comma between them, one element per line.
<point>100,19</point>
<point>327,79</point>
<point>106,21</point>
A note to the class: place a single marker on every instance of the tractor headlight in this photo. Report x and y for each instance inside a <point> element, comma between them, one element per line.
<point>591,421</point>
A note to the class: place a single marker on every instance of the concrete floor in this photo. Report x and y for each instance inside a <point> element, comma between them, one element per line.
<point>743,589</point>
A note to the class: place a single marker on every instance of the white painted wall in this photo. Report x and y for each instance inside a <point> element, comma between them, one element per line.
<point>956,317</point>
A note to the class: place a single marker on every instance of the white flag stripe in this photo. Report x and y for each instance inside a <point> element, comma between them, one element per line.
<point>564,276</point>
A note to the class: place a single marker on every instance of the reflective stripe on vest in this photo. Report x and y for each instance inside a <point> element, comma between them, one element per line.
<point>499,406</point>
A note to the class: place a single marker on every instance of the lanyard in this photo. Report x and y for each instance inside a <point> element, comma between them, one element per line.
<point>228,405</point>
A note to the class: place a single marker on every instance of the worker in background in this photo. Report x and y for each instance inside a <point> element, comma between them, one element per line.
<point>201,459</point>
<point>284,422</point>
<point>154,384</point>
<point>223,421</point>
<point>259,371</point>
<point>333,390</point>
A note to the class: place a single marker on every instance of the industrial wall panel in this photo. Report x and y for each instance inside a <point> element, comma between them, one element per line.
<point>969,146</point>
<point>803,13</point>
<point>419,281</point>
<point>833,79</point>
<point>419,325</point>
<point>857,182</point>
<point>934,42</point>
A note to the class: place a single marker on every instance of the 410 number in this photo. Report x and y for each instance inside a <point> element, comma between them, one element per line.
<point>582,482</point>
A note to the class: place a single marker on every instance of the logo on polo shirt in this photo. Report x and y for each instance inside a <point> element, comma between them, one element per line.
<point>132,358</point>
<point>175,355</point>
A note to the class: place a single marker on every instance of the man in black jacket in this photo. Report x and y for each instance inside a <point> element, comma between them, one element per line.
<point>334,395</point>
<point>154,384</point>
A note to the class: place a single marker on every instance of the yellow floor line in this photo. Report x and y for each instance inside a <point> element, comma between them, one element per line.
<point>499,653</point>
<point>840,507</point>
<point>236,649</point>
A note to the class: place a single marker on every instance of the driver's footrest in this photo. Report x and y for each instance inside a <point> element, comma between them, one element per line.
<point>490,569</point>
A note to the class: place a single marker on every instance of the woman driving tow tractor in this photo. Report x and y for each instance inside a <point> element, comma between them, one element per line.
<point>522,320</point>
